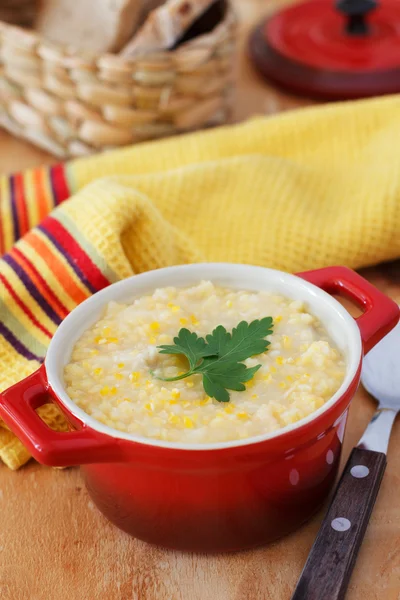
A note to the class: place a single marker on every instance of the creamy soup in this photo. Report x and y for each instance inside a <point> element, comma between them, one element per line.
<point>110,370</point>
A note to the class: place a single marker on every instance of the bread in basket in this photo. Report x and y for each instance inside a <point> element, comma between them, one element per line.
<point>73,102</point>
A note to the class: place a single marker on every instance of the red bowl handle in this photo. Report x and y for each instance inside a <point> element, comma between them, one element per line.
<point>380,313</point>
<point>54,448</point>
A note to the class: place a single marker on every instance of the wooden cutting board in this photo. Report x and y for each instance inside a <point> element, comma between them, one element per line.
<point>55,545</point>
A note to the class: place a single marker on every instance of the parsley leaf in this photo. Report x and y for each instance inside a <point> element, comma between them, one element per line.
<point>220,376</point>
<point>188,343</point>
<point>218,358</point>
<point>246,340</point>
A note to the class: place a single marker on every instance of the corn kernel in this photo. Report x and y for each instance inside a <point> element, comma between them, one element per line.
<point>287,342</point>
<point>280,360</point>
<point>254,396</point>
<point>152,339</point>
<point>173,401</point>
<point>112,340</point>
<point>289,378</point>
<point>94,352</point>
<point>155,326</point>
<point>175,394</point>
<point>148,407</point>
<point>173,419</point>
<point>173,307</point>
<point>105,390</point>
<point>205,401</point>
<point>272,369</point>
<point>98,371</point>
<point>135,376</point>
<point>194,320</point>
<point>99,339</point>
<point>278,319</point>
<point>120,365</point>
<point>277,410</point>
<point>282,385</point>
<point>183,321</point>
<point>229,409</point>
<point>118,376</point>
<point>189,384</point>
<point>188,423</point>
<point>113,391</point>
<point>250,384</point>
<point>106,331</point>
<point>229,303</point>
<point>243,416</point>
<point>267,377</point>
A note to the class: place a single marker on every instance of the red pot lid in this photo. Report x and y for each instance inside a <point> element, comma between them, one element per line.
<point>307,49</point>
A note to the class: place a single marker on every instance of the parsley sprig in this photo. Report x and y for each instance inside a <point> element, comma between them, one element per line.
<point>218,357</point>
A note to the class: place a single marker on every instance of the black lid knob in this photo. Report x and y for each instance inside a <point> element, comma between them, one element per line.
<point>356,12</point>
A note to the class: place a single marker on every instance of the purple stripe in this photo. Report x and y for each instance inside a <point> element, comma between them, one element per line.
<point>68,257</point>
<point>17,345</point>
<point>17,232</point>
<point>32,289</point>
<point>54,197</point>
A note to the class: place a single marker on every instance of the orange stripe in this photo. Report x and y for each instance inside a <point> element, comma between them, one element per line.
<point>5,214</point>
<point>47,294</point>
<point>41,193</point>
<point>2,242</point>
<point>20,202</point>
<point>57,266</point>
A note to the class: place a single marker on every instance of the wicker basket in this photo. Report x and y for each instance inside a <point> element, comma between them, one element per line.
<point>73,104</point>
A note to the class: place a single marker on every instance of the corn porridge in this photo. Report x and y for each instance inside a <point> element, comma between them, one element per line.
<point>110,370</point>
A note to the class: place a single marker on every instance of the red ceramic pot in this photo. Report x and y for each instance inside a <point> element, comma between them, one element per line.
<point>210,497</point>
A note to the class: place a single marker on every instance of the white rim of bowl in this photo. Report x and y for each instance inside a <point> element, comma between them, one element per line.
<point>107,294</point>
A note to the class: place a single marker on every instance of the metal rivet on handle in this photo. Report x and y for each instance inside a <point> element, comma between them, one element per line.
<point>340,524</point>
<point>294,477</point>
<point>330,457</point>
<point>359,471</point>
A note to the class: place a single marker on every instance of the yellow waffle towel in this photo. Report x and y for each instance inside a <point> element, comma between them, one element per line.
<point>302,190</point>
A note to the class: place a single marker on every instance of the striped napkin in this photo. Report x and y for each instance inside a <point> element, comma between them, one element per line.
<point>302,190</point>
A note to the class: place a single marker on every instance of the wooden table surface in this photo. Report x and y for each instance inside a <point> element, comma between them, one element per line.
<point>55,545</point>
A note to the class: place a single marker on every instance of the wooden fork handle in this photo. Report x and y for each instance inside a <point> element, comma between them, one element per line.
<point>328,569</point>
